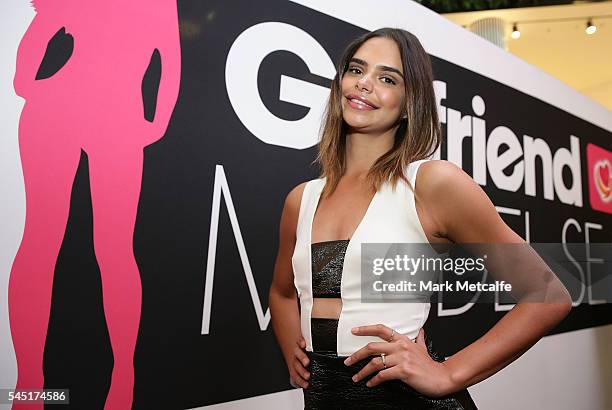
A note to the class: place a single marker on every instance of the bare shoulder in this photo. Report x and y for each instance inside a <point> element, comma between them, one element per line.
<point>294,197</point>
<point>291,208</point>
<point>438,177</point>
<point>465,212</point>
<point>443,184</point>
<point>434,180</point>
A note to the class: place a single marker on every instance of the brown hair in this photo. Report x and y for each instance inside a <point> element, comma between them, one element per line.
<point>417,136</point>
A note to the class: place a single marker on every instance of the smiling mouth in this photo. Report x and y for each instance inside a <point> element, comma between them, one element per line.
<point>359,104</point>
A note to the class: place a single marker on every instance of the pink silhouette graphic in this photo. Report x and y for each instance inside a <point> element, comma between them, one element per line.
<point>93,102</point>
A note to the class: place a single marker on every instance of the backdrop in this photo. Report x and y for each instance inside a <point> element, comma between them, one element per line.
<point>186,125</point>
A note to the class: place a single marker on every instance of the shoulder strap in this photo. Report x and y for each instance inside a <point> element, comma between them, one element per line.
<point>413,168</point>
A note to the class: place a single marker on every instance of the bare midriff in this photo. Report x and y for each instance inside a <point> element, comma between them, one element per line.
<point>326,308</point>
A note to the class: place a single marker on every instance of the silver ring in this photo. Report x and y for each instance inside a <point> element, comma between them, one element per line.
<point>384,362</point>
<point>392,334</point>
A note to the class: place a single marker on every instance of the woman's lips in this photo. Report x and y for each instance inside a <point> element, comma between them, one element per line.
<point>359,103</point>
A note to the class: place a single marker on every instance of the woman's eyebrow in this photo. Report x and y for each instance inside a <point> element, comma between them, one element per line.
<point>380,67</point>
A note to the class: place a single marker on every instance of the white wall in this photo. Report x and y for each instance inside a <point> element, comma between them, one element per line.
<point>568,371</point>
<point>15,16</point>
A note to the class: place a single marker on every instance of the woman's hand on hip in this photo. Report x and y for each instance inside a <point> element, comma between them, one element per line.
<point>402,359</point>
<point>298,374</point>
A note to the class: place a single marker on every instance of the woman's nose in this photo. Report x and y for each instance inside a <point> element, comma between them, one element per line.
<point>364,84</point>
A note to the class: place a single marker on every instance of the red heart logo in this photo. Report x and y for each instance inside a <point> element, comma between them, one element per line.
<point>604,174</point>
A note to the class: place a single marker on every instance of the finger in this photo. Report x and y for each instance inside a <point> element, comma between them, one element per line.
<point>300,370</point>
<point>302,342</point>
<point>420,340</point>
<point>384,375</point>
<point>295,376</point>
<point>380,330</point>
<point>375,365</point>
<point>301,356</point>
<point>298,381</point>
<point>371,349</point>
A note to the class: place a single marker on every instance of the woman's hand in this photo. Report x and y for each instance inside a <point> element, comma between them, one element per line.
<point>298,375</point>
<point>404,360</point>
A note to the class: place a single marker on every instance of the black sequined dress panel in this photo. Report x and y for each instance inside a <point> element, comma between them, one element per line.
<point>327,262</point>
<point>330,387</point>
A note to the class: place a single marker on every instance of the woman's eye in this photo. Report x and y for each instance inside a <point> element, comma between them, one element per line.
<point>354,70</point>
<point>388,80</point>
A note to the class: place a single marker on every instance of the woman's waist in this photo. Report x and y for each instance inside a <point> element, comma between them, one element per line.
<point>332,335</point>
<point>405,317</point>
<point>331,382</point>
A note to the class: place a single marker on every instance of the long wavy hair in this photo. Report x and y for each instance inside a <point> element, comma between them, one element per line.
<point>418,134</point>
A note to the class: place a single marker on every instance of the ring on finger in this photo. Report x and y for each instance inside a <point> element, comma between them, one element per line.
<point>392,335</point>
<point>384,361</point>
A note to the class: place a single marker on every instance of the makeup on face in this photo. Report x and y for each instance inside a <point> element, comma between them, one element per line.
<point>373,85</point>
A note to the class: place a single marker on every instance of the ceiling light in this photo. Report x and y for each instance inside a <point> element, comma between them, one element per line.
<point>516,34</point>
<point>590,27</point>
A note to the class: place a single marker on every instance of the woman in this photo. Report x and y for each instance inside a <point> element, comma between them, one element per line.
<point>381,125</point>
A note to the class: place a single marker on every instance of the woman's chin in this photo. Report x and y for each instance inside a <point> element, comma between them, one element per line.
<point>364,127</point>
<point>357,124</point>
<point>357,128</point>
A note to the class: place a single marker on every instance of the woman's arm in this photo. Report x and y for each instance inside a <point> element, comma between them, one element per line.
<point>169,46</point>
<point>283,298</point>
<point>466,215</point>
<point>30,52</point>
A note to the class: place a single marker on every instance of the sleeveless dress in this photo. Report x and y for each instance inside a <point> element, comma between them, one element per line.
<point>331,269</point>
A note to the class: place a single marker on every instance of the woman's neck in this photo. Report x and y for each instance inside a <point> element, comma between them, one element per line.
<point>363,149</point>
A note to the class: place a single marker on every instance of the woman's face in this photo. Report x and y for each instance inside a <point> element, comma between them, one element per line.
<point>373,87</point>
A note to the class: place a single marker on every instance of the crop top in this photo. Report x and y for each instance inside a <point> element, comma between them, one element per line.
<point>327,261</point>
<point>391,217</point>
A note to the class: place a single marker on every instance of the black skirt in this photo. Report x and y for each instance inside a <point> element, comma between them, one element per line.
<point>331,386</point>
